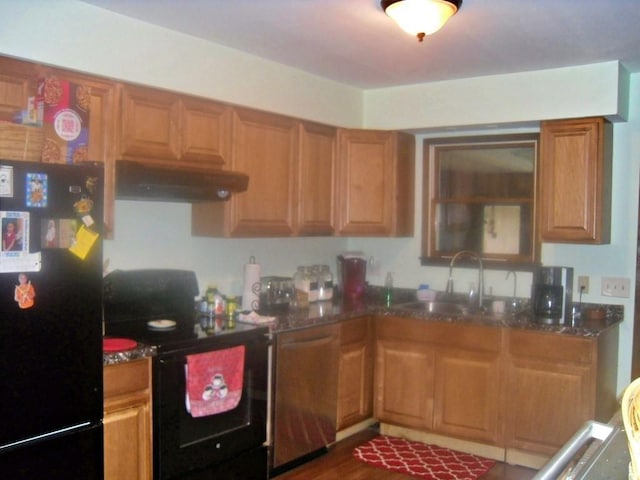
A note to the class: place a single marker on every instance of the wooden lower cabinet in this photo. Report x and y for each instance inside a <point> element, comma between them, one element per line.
<point>127,421</point>
<point>468,383</point>
<point>554,384</point>
<point>440,377</point>
<point>404,373</point>
<point>355,372</point>
<point>522,392</point>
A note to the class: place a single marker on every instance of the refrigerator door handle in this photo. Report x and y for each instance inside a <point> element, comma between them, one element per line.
<point>44,436</point>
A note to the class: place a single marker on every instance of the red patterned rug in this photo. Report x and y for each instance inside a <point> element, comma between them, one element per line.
<point>420,460</point>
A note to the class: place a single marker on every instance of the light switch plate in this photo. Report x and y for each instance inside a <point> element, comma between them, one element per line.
<point>615,287</point>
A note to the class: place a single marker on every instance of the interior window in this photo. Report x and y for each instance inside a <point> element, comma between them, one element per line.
<point>479,194</point>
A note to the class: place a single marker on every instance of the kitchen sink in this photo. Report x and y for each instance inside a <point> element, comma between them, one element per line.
<point>442,308</point>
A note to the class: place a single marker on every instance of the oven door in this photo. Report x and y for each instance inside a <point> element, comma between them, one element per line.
<point>184,443</point>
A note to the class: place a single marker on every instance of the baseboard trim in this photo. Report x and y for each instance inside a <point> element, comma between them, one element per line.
<point>353,429</point>
<point>487,451</point>
<point>526,459</point>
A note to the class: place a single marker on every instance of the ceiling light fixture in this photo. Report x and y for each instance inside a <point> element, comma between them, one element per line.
<point>420,17</point>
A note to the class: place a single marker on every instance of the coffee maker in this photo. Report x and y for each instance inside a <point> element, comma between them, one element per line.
<point>352,272</point>
<point>552,295</point>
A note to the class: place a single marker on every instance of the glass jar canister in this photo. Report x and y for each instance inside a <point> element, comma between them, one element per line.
<point>301,285</point>
<point>313,273</point>
<point>325,283</point>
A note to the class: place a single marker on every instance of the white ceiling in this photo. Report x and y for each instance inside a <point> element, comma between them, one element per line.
<point>354,42</point>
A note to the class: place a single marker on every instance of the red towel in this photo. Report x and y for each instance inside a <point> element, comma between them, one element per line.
<point>214,381</point>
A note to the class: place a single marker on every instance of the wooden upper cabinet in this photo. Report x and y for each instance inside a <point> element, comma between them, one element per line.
<point>265,147</point>
<point>206,132</point>
<point>316,179</point>
<point>17,83</point>
<point>291,167</point>
<point>375,192</point>
<point>102,128</point>
<point>149,124</point>
<point>575,181</point>
<point>161,127</point>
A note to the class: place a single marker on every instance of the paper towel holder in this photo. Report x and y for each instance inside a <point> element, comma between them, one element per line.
<point>252,286</point>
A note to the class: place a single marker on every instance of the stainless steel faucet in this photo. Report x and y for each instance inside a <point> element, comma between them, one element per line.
<point>474,255</point>
<point>514,299</point>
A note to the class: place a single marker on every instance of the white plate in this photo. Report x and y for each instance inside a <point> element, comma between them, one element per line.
<point>161,324</point>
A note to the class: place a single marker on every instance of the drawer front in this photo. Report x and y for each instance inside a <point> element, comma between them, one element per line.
<point>551,346</point>
<point>126,377</point>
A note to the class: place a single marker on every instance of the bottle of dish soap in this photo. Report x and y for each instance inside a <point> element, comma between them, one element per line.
<point>388,289</point>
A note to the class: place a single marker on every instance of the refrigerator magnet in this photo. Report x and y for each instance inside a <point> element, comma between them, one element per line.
<point>15,233</point>
<point>6,181</point>
<point>85,239</point>
<point>37,190</point>
<point>88,220</point>
<point>49,231</point>
<point>91,184</point>
<point>24,293</point>
<point>83,206</point>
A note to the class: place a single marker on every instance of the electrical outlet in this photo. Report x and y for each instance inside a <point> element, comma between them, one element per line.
<point>615,287</point>
<point>583,284</point>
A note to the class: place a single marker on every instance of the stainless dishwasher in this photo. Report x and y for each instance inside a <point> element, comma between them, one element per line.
<point>305,394</point>
<point>597,451</point>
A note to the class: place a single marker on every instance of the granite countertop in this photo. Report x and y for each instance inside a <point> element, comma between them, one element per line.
<point>140,351</point>
<point>373,304</point>
<point>322,313</point>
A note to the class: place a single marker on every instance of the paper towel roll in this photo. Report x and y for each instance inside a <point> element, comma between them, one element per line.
<point>252,287</point>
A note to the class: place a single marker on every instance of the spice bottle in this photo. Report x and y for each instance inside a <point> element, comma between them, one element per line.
<point>232,306</point>
<point>215,301</point>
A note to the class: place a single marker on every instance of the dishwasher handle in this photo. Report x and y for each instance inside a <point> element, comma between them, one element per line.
<point>590,430</point>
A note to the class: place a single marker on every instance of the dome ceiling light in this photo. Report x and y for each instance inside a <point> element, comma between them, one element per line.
<point>420,17</point>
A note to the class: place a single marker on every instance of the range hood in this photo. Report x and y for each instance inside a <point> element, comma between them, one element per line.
<point>141,181</point>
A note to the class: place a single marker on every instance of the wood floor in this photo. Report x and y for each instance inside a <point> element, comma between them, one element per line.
<point>340,464</point>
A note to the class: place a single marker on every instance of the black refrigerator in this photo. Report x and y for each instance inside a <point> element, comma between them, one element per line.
<point>51,321</point>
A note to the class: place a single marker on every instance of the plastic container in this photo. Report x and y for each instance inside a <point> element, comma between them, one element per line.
<point>425,294</point>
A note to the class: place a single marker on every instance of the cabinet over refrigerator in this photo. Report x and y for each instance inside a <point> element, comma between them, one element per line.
<point>51,321</point>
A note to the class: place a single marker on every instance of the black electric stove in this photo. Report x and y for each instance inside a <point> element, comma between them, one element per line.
<point>139,304</point>
<point>156,307</point>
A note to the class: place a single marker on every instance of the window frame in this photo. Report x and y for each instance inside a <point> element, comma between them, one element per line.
<point>430,255</point>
